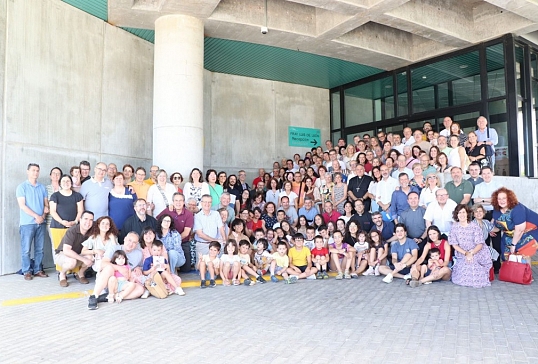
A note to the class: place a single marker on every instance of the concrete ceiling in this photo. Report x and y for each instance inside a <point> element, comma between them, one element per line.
<point>385,34</point>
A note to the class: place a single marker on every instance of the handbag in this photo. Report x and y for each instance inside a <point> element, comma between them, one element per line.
<point>515,272</point>
<point>156,286</point>
<point>491,274</point>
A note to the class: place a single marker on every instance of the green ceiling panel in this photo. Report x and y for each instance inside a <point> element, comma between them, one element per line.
<point>279,64</point>
<point>146,34</point>
<point>97,8</point>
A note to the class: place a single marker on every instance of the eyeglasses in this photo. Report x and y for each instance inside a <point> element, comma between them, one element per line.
<point>430,177</point>
<point>101,169</point>
<point>154,170</point>
<point>177,177</point>
<point>167,220</point>
<point>442,195</point>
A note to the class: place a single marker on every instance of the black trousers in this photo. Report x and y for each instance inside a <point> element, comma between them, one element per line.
<point>494,242</point>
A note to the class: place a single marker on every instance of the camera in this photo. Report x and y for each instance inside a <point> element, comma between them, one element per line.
<point>264,30</point>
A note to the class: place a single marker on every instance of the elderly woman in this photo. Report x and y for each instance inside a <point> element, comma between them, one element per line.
<point>472,256</point>
<point>517,222</point>
<point>171,238</point>
<point>476,152</point>
<point>479,213</point>
<point>427,194</point>
<point>160,194</point>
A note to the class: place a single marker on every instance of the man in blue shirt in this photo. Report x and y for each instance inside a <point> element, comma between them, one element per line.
<point>308,210</point>
<point>398,203</point>
<point>404,253</point>
<point>34,206</point>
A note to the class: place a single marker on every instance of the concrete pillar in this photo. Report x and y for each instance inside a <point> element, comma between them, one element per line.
<point>178,94</point>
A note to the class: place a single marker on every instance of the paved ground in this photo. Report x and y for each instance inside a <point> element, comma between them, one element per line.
<point>354,321</point>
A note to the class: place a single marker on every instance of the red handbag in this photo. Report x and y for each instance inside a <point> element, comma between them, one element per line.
<point>515,272</point>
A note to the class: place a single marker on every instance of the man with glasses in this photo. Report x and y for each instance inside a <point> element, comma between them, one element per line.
<point>111,171</point>
<point>183,222</point>
<point>139,221</point>
<point>459,190</point>
<point>208,227</point>
<point>242,184</point>
<point>439,212</point>
<point>425,165</point>
<point>95,192</point>
<point>152,175</point>
<point>139,186</point>
<point>487,136</point>
<point>84,167</point>
<point>385,188</point>
<point>34,206</point>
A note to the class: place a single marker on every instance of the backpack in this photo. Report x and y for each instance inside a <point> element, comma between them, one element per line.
<point>156,286</point>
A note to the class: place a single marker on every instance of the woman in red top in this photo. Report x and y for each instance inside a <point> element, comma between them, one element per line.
<point>434,241</point>
<point>257,222</point>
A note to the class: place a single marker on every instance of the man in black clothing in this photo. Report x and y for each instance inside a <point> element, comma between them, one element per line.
<point>358,186</point>
<point>138,222</point>
<point>361,216</point>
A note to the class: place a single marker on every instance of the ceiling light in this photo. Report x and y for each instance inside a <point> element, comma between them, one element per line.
<point>424,77</point>
<point>464,66</point>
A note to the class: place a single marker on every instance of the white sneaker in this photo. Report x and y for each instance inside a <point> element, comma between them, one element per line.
<point>145,295</point>
<point>376,270</point>
<point>408,276</point>
<point>369,272</point>
<point>179,291</point>
<point>312,276</point>
<point>388,278</point>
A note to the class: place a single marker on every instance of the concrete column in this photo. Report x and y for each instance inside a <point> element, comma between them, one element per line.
<point>178,94</point>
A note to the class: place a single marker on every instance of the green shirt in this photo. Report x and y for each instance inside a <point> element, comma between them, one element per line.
<point>456,193</point>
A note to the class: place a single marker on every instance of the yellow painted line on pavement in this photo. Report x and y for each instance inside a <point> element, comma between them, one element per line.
<point>51,297</point>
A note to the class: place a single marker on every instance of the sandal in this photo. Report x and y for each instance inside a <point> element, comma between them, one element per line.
<point>414,283</point>
<point>110,298</point>
<point>235,282</point>
<point>119,298</point>
<point>408,280</point>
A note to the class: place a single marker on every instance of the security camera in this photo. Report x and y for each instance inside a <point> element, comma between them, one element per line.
<point>264,30</point>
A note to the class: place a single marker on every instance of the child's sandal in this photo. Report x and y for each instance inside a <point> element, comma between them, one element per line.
<point>119,298</point>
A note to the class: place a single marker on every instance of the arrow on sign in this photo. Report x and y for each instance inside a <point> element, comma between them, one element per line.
<point>313,142</point>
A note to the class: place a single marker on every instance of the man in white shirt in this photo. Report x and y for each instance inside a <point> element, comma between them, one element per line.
<point>408,136</point>
<point>385,188</point>
<point>439,212</point>
<point>397,143</point>
<point>402,168</point>
<point>447,122</point>
<point>487,136</point>
<point>482,191</point>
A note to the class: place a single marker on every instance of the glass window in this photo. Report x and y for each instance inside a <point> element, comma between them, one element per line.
<point>335,101</point>
<point>401,80</point>
<point>424,99</point>
<point>467,121</point>
<point>389,107</point>
<point>335,136</point>
<point>495,68</point>
<point>364,103</point>
<point>443,95</point>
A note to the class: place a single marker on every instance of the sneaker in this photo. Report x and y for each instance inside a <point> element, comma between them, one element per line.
<point>325,275</point>
<point>292,279</point>
<point>179,291</point>
<point>260,279</point>
<point>369,272</point>
<point>274,279</point>
<point>202,284</point>
<point>339,276</point>
<point>354,275</point>
<point>103,298</point>
<point>312,276</point>
<point>212,283</point>
<point>376,270</point>
<point>247,282</point>
<point>347,275</point>
<point>92,303</point>
<point>319,275</point>
<point>408,276</point>
<point>145,295</point>
<point>388,278</point>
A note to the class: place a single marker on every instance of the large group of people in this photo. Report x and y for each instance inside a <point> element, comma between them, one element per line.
<point>391,205</point>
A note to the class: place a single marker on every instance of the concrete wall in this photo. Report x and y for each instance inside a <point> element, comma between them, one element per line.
<point>76,88</point>
<point>246,121</point>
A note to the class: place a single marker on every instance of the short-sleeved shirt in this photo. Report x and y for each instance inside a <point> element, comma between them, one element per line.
<point>134,223</point>
<point>456,193</point>
<point>74,238</point>
<point>34,197</point>
<point>282,261</point>
<point>135,257</point>
<point>414,221</point>
<point>309,214</point>
<point>485,190</point>
<point>95,196</point>
<point>299,258</point>
<point>440,217</point>
<point>402,249</point>
<point>206,259</point>
<point>209,224</point>
<point>244,259</point>
<point>66,207</point>
<point>320,252</point>
<point>148,262</point>
<point>364,220</point>
<point>387,231</point>
<point>291,214</point>
<point>181,221</point>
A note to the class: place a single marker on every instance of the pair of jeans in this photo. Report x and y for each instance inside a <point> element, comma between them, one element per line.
<point>32,233</point>
<point>176,259</point>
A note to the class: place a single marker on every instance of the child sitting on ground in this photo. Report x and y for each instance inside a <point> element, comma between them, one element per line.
<point>320,257</point>
<point>362,246</point>
<point>246,266</point>
<point>432,271</point>
<point>156,264</point>
<point>209,264</point>
<point>342,255</point>
<point>262,258</point>
<point>230,267</point>
<point>301,259</point>
<point>280,263</point>
<point>119,282</point>
<point>378,253</point>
